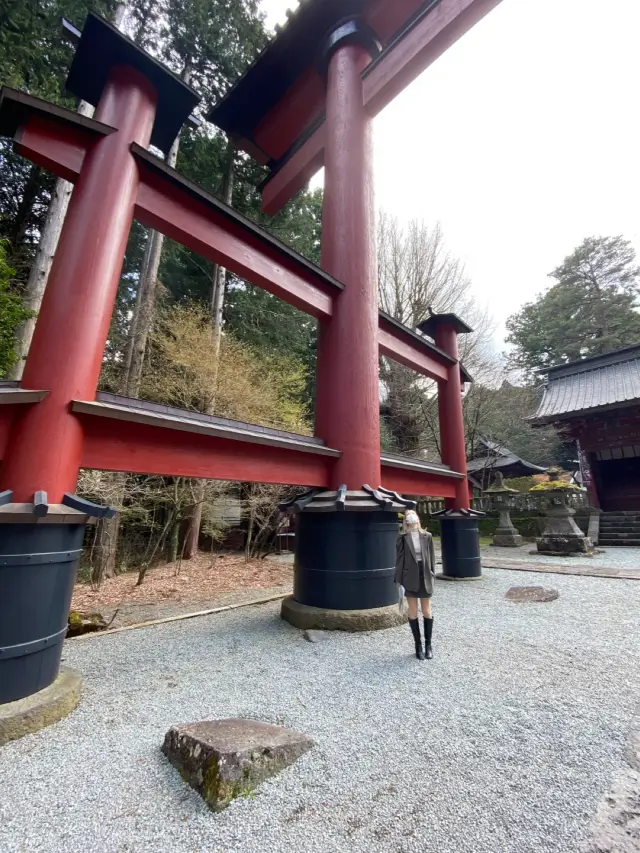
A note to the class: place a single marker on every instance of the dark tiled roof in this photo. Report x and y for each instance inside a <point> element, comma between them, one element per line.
<point>593,383</point>
<point>503,461</point>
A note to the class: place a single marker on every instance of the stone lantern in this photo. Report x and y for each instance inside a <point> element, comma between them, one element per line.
<point>561,536</point>
<point>502,500</point>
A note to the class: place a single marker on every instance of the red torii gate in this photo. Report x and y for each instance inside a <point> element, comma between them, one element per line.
<point>53,423</point>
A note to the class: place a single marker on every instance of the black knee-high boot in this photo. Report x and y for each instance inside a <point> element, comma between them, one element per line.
<point>428,630</point>
<point>415,630</point>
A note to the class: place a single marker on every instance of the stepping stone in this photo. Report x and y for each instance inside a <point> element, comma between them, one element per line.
<point>225,759</point>
<point>531,593</point>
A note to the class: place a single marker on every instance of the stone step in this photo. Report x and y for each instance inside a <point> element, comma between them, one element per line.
<point>618,543</point>
<point>620,528</point>
<point>621,514</point>
<point>616,536</point>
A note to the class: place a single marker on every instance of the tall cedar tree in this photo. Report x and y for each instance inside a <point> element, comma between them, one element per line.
<point>591,309</point>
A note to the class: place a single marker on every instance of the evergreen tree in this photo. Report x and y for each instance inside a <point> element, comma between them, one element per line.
<point>591,309</point>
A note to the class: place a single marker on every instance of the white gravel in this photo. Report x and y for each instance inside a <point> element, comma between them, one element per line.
<point>504,743</point>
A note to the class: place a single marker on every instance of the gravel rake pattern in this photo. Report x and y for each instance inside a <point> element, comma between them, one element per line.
<point>504,743</point>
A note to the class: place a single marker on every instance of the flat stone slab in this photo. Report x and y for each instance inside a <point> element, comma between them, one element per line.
<point>305,617</point>
<point>531,593</point>
<point>225,759</point>
<point>42,709</point>
<point>550,568</point>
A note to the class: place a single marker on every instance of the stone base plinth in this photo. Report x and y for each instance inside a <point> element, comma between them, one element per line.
<point>443,577</point>
<point>39,710</point>
<point>507,540</point>
<point>305,617</point>
<point>563,545</point>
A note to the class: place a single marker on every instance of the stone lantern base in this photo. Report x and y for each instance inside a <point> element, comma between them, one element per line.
<point>562,536</point>
<point>506,535</point>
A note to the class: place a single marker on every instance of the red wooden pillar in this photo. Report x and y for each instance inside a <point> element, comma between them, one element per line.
<point>444,329</point>
<point>45,446</point>
<point>452,440</point>
<point>347,396</point>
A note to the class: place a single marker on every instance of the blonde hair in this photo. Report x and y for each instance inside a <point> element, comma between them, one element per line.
<point>405,529</point>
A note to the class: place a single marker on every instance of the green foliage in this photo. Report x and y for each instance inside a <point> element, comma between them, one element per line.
<point>520,484</point>
<point>12,315</point>
<point>591,309</point>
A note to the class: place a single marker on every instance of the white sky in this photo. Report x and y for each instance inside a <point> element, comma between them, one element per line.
<point>522,140</point>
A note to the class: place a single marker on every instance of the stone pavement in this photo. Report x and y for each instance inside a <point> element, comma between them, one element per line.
<point>606,563</point>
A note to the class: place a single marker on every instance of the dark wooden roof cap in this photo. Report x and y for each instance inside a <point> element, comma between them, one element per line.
<point>295,47</point>
<point>101,47</point>
<point>429,326</point>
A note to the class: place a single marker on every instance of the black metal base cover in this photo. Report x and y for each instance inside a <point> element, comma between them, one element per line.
<point>345,560</point>
<point>38,564</point>
<point>460,541</point>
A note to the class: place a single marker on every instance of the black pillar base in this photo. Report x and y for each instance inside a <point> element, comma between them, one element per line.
<point>345,560</point>
<point>460,542</point>
<point>40,546</point>
<point>38,564</point>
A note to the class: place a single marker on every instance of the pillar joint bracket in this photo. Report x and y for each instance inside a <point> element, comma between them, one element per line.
<point>350,30</point>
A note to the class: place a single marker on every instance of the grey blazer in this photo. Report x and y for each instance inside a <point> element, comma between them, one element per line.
<point>407,572</point>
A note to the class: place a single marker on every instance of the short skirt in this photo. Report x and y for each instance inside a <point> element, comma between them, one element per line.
<point>422,591</point>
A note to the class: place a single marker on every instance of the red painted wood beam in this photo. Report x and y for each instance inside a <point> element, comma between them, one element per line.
<point>291,115</point>
<point>398,65</point>
<point>176,207</point>
<point>58,149</point>
<point>406,481</point>
<point>116,445</point>
<point>295,174</point>
<point>424,42</point>
<point>403,346</point>
<point>51,136</point>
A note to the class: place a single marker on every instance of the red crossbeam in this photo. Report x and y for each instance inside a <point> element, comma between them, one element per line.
<point>145,449</point>
<point>170,207</point>
<point>173,205</point>
<point>406,481</point>
<point>112,444</point>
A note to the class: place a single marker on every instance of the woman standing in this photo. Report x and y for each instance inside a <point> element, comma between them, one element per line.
<point>415,571</point>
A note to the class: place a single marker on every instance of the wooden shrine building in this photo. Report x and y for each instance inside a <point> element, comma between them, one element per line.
<point>491,456</point>
<point>596,403</point>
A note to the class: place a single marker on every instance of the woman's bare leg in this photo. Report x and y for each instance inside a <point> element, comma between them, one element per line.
<point>412,606</point>
<point>425,603</point>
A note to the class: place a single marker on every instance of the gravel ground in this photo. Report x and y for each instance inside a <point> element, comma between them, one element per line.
<point>504,743</point>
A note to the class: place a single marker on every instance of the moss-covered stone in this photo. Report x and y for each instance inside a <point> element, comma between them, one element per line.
<point>84,623</point>
<point>225,759</point>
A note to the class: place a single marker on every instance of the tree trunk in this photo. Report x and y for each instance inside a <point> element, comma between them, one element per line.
<point>218,287</point>
<point>105,546</point>
<point>145,307</point>
<point>136,313</point>
<point>143,321</point>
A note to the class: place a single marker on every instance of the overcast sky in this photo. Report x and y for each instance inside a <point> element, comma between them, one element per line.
<point>522,140</point>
